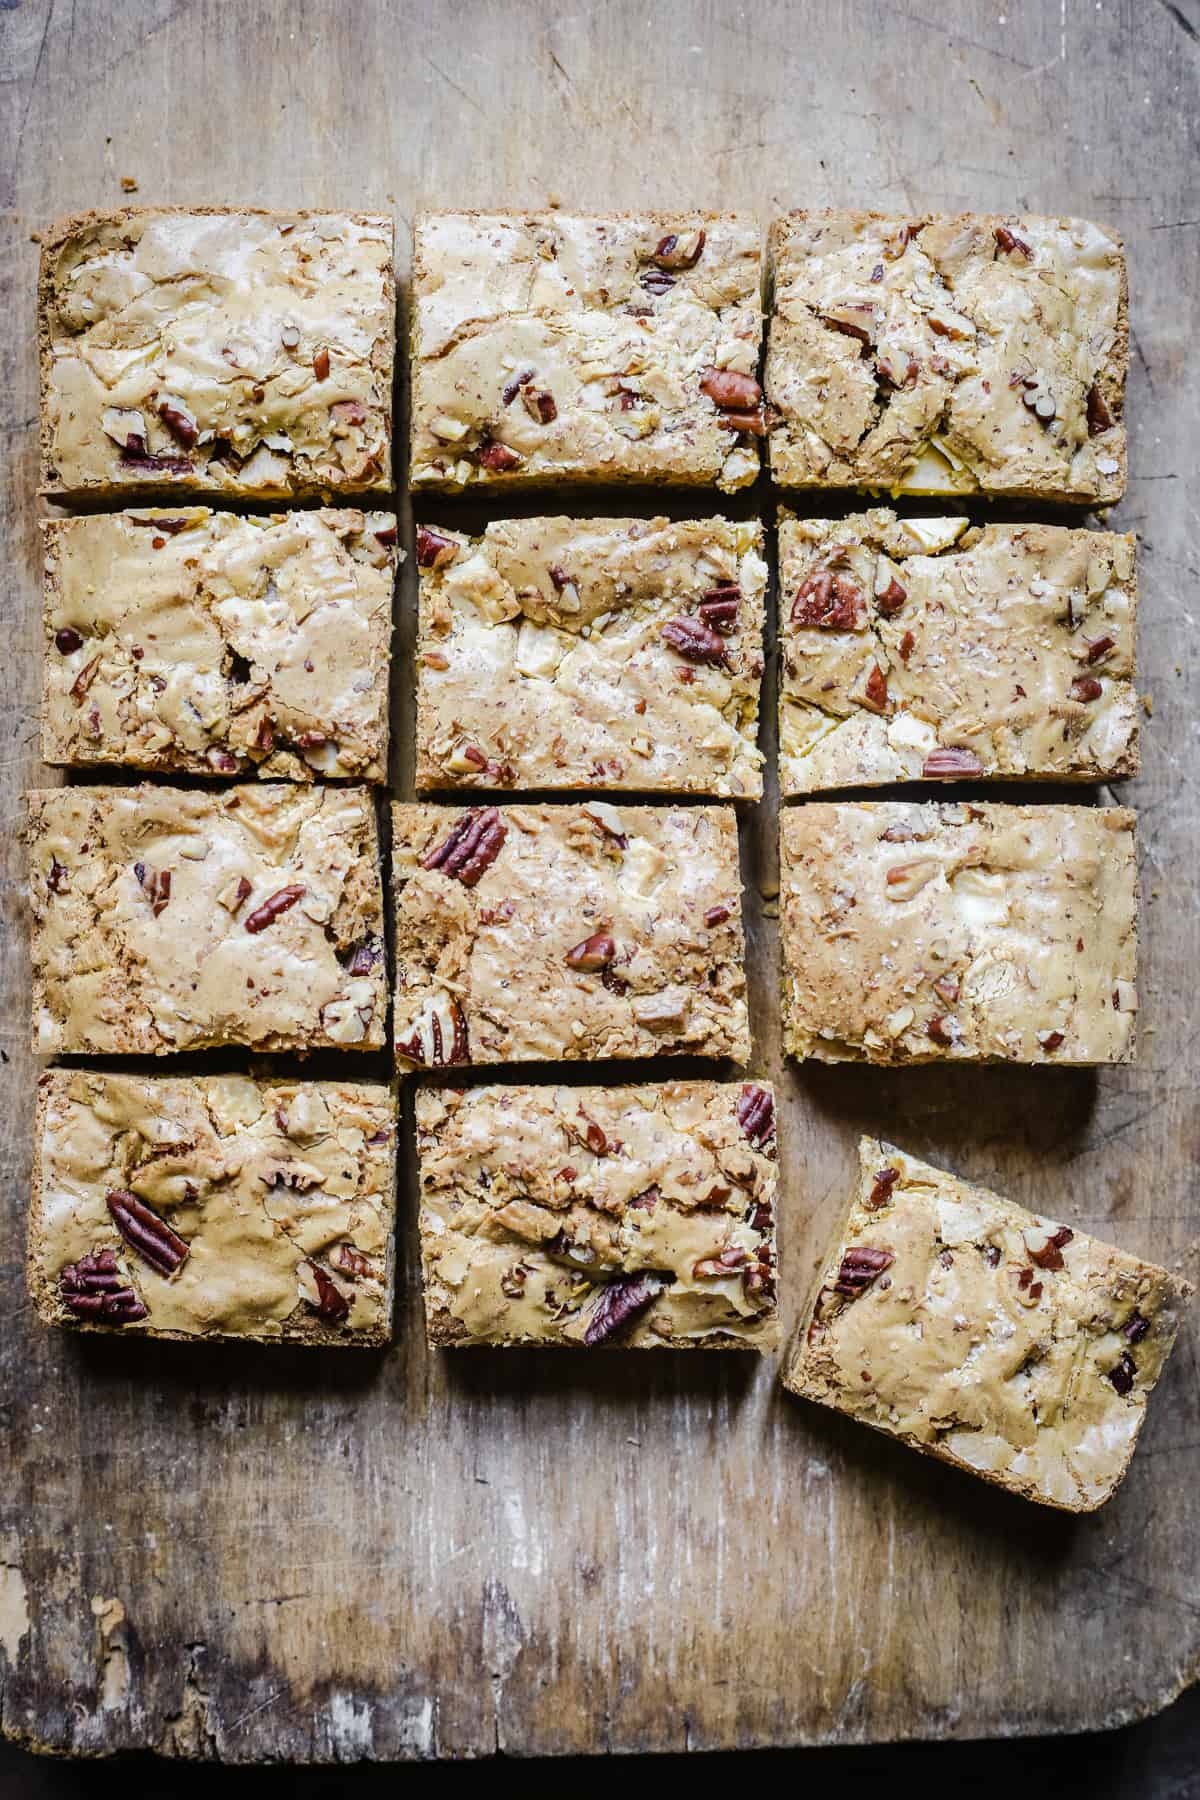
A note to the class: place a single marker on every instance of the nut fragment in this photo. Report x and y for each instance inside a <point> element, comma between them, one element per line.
<point>1010,242</point>
<point>1048,1254</point>
<point>276,903</point>
<point>719,608</point>
<point>145,1232</point>
<point>950,762</point>
<point>471,848</point>
<point>331,1304</point>
<point>622,1300</point>
<point>881,1189</point>
<point>1098,416</point>
<point>695,641</point>
<point>434,548</point>
<point>860,1267</point>
<point>93,1288</point>
<point>439,1036</point>
<point>156,887</point>
<point>67,640</point>
<point>730,391</point>
<point>1122,1373</point>
<point>1086,688</point>
<point>831,602</point>
<point>756,1113</point>
<point>679,250</point>
<point>179,421</point>
<point>498,458</point>
<point>595,952</point>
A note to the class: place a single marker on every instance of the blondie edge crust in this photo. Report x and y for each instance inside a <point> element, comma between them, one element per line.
<point>920,648</point>
<point>215,644</point>
<point>566,933</point>
<point>592,654</point>
<point>974,353</point>
<point>978,933</point>
<point>214,1206</point>
<point>215,349</point>
<point>999,1341</point>
<point>627,1217</point>
<point>551,347</point>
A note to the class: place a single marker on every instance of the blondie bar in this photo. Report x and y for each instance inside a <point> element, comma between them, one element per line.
<point>215,644</point>
<point>948,355</point>
<point>169,919</point>
<point>620,347</point>
<point>914,933</point>
<point>214,1206</point>
<point>216,350</point>
<point>567,933</point>
<point>592,654</point>
<point>638,1217</point>
<point>916,648</point>
<point>1003,1342</point>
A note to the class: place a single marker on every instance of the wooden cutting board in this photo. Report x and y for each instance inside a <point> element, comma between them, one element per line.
<point>241,1554</point>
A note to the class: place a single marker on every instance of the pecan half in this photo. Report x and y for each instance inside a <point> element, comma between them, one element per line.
<point>1098,416</point>
<point>595,952</point>
<point>756,1113</point>
<point>331,1304</point>
<point>860,1267</point>
<point>471,848</point>
<point>92,1288</point>
<point>434,548</point>
<point>950,762</point>
<point>1122,1373</point>
<point>623,1300</point>
<point>145,1232</point>
<point>695,641</point>
<point>829,601</point>
<point>719,608</point>
<point>881,1190</point>
<point>730,391</point>
<point>276,903</point>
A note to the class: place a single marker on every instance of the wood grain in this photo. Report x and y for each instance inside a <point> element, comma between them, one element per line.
<point>252,1555</point>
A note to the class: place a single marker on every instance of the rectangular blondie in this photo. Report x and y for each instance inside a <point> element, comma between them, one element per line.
<point>977,353</point>
<point>214,1206</point>
<point>567,933</point>
<point>917,933</point>
<point>991,1337</point>
<point>215,349</point>
<point>592,654</point>
<point>554,348</point>
<point>215,644</point>
<point>176,919</point>
<point>918,648</point>
<point>634,1217</point>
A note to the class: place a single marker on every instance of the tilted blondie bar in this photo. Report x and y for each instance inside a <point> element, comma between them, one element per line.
<point>553,348</point>
<point>216,350</point>
<point>170,919</point>
<point>220,645</point>
<point>214,1206</point>
<point>634,1217</point>
<point>916,648</point>
<point>995,1339</point>
<point>593,654</point>
<point>567,933</point>
<point>948,355</point>
<point>975,933</point>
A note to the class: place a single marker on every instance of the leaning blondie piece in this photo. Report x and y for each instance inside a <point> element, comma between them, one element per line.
<point>995,1339</point>
<point>216,644</point>
<point>916,648</point>
<point>567,933</point>
<point>216,350</point>
<point>552,348</point>
<point>592,654</point>
<point>948,355</point>
<point>634,1217</point>
<point>214,1206</point>
<point>972,933</point>
<point>174,919</point>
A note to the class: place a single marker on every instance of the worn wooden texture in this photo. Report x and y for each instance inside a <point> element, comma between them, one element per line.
<point>254,1555</point>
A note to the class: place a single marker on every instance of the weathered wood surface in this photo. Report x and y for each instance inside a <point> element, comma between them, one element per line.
<point>253,1555</point>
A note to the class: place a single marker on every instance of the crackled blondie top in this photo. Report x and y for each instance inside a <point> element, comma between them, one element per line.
<point>592,654</point>
<point>917,648</point>
<point>220,645</point>
<point>552,348</point>
<point>209,349</point>
<point>634,1217</point>
<point>170,919</point>
<point>567,933</point>
<point>938,355</point>
<point>914,933</point>
<point>1001,1341</point>
<point>214,1206</point>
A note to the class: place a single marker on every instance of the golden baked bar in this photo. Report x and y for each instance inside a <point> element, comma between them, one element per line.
<point>592,654</point>
<point>918,648</point>
<point>567,933</point>
<point>1000,1341</point>
<point>213,349</point>
<point>216,644</point>
<point>631,1217</point>
<point>555,348</point>
<point>948,355</point>
<point>214,1206</point>
<point>175,919</point>
<point>922,933</point>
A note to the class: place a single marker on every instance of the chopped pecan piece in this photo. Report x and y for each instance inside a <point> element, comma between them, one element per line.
<point>1098,648</point>
<point>860,1267</point>
<point>67,640</point>
<point>951,761</point>
<point>891,599</point>
<point>1098,416</point>
<point>905,647</point>
<point>656,281</point>
<point>875,691</point>
<point>1122,1373</point>
<point>945,1030</point>
<point>135,456</point>
<point>716,915</point>
<point>595,952</point>
<point>512,387</point>
<point>881,1189</point>
<point>830,601</point>
<point>1009,242</point>
<point>331,1304</point>
<point>471,848</point>
<point>1136,1326</point>
<point>352,1262</point>
<point>595,1136</point>
<point>93,1288</point>
<point>728,1260</point>
<point>540,404</point>
<point>156,887</point>
<point>321,364</point>
<point>1050,1254</point>
<point>695,641</point>
<point>622,1300</point>
<point>179,423</point>
<point>1051,1041</point>
<point>719,608</point>
<point>948,988</point>
<point>730,391</point>
<point>434,548</point>
<point>84,679</point>
<point>679,252</point>
<point>145,1232</point>
<point>365,956</point>
<point>756,1113</point>
<point>439,1038</point>
<point>1086,688</point>
<point>276,903</point>
<point>498,458</point>
<point>754,422</point>
<point>647,1200</point>
<point>56,879</point>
